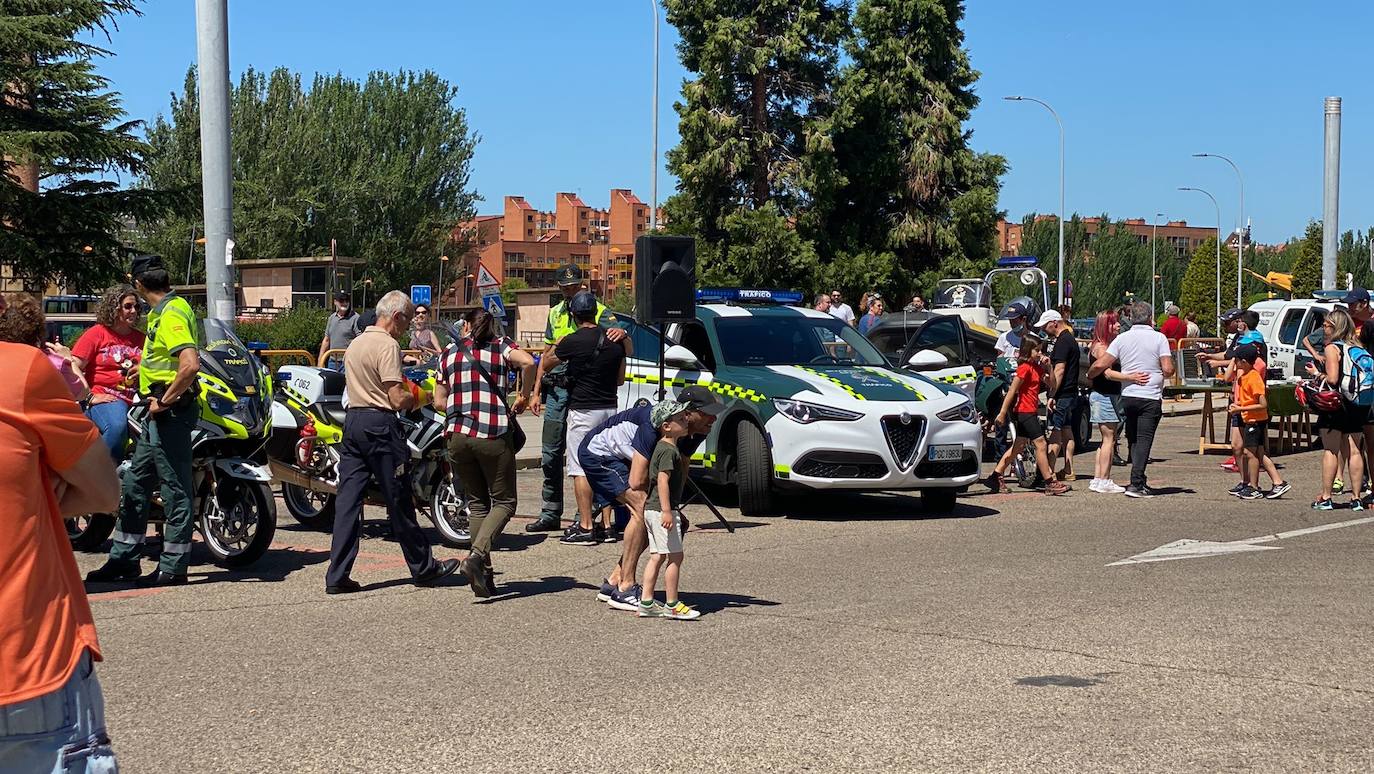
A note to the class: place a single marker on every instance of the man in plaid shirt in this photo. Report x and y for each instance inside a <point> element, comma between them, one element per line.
<point>481,441</point>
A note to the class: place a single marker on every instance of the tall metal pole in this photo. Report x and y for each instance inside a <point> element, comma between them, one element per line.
<point>653,207</point>
<point>1240,221</point>
<point>212,53</point>
<point>1046,106</point>
<point>1154,260</point>
<point>1218,209</point>
<point>439,290</point>
<point>1331,195</point>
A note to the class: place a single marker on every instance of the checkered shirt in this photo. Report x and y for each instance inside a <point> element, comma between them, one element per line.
<point>472,408</point>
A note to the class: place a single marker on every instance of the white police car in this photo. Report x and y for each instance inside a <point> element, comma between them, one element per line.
<point>810,404</point>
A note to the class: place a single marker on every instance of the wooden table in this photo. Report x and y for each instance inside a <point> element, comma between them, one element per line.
<point>1286,416</point>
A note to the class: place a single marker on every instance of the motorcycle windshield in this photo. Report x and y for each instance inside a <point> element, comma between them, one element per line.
<point>229,355</point>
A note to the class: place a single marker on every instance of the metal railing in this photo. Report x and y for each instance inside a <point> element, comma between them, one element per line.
<point>277,357</point>
<point>1186,366</point>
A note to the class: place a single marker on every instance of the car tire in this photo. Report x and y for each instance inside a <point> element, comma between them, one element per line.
<point>754,472</point>
<point>939,500</point>
<point>1082,427</point>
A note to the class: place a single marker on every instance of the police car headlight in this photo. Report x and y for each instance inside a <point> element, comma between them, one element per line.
<point>964,412</point>
<point>806,413</point>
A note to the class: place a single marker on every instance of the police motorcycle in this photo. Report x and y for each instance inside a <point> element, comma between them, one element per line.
<point>232,503</point>
<point>308,419</point>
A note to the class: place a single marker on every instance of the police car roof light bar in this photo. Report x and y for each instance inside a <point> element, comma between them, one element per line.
<point>1018,261</point>
<point>748,296</point>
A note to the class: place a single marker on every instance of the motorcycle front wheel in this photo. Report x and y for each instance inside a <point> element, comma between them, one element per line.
<point>239,530</point>
<point>448,509</point>
<point>312,509</point>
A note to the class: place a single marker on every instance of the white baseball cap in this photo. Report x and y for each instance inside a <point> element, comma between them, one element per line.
<point>1049,317</point>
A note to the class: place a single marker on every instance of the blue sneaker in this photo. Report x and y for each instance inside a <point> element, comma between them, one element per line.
<point>1356,504</point>
<point>604,595</point>
<point>1324,504</point>
<point>625,600</point>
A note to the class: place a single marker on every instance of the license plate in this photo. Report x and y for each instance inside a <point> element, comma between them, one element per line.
<point>945,453</point>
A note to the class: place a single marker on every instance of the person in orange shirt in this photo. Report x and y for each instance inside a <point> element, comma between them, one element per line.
<point>1252,406</point>
<point>52,715</point>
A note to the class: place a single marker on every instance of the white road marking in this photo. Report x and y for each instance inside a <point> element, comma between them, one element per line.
<point>1197,549</point>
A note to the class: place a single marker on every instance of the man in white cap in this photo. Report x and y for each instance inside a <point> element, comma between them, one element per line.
<point>1063,387</point>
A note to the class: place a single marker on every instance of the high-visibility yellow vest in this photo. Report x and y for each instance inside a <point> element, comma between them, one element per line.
<point>171,328</point>
<point>561,321</point>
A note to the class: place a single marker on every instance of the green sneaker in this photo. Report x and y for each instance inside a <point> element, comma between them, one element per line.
<point>654,609</point>
<point>680,612</point>
<point>1337,486</point>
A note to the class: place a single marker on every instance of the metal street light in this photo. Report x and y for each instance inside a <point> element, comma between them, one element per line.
<point>1154,269</point>
<point>653,207</point>
<point>1046,106</point>
<point>1218,208</point>
<point>1240,219</point>
<point>439,289</point>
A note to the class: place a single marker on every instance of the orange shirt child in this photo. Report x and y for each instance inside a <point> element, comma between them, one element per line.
<point>1249,391</point>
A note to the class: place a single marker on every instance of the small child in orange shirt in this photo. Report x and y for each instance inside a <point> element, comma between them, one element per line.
<point>1253,407</point>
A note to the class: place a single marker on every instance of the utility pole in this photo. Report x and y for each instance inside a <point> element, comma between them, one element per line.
<point>212,50</point>
<point>1331,193</point>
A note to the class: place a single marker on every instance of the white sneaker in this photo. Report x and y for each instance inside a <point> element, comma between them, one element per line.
<point>1109,486</point>
<point>1095,486</point>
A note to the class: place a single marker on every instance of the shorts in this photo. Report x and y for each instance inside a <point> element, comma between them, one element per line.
<point>1254,434</point>
<point>1105,409</point>
<point>663,541</point>
<point>1028,425</point>
<point>1237,422</point>
<point>609,477</point>
<point>1348,420</point>
<point>581,422</point>
<point>1064,409</point>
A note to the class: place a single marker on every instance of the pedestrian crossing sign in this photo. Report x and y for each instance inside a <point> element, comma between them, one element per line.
<point>494,305</point>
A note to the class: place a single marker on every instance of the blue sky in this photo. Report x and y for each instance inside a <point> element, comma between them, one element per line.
<point>1140,87</point>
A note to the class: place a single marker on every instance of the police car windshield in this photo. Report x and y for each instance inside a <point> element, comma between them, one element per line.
<point>763,340</point>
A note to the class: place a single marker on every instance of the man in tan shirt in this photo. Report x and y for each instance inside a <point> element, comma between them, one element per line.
<point>375,447</point>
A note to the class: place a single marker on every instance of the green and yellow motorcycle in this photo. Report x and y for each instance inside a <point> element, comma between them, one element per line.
<point>235,511</point>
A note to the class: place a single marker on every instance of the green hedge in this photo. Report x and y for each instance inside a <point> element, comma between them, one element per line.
<point>300,327</point>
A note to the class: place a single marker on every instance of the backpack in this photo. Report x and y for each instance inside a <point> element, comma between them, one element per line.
<point>1357,376</point>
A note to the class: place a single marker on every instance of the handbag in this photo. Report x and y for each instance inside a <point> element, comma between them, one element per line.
<point>517,432</point>
<point>1319,396</point>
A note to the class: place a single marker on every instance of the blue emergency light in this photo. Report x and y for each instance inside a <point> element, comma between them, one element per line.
<point>747,296</point>
<point>1017,262</point>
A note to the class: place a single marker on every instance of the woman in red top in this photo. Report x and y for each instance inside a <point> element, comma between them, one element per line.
<point>1023,399</point>
<point>109,352</point>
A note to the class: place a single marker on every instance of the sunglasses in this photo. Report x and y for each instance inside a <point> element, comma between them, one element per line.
<point>129,306</point>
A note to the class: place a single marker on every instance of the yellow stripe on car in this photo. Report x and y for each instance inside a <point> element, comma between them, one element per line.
<point>894,379</point>
<point>834,381</point>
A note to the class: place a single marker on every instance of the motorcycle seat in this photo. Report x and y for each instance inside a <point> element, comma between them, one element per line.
<point>333,408</point>
<point>331,383</point>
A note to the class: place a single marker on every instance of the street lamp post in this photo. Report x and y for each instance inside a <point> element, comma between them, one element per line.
<point>1240,220</point>
<point>1218,209</point>
<point>439,288</point>
<point>653,207</point>
<point>1154,260</point>
<point>1046,106</point>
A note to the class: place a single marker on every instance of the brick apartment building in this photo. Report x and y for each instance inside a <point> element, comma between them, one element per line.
<point>1177,233</point>
<point>531,244</point>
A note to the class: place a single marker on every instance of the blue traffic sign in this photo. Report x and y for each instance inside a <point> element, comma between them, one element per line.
<point>494,305</point>
<point>420,294</point>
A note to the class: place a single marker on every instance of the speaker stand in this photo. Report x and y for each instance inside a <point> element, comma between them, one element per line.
<point>662,345</point>
<point>697,494</point>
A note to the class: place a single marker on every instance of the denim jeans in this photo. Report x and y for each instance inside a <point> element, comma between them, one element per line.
<point>60,732</point>
<point>112,420</point>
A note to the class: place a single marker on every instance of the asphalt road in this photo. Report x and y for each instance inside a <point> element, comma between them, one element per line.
<point>858,634</point>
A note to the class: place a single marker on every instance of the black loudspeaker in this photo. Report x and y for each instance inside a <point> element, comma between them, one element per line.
<point>665,279</point>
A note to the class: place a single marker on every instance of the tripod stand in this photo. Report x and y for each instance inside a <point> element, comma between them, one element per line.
<point>697,494</point>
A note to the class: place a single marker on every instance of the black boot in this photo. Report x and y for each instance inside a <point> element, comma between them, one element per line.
<point>115,570</point>
<point>159,578</point>
<point>543,524</point>
<point>474,570</point>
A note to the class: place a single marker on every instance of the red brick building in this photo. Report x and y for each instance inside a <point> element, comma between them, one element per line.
<point>1177,233</point>
<point>531,244</point>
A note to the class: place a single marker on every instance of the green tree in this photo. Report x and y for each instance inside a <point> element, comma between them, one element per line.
<point>749,122</point>
<point>382,166</point>
<point>761,250</point>
<point>1307,262</point>
<point>901,157</point>
<point>62,131</point>
<point>1198,292</point>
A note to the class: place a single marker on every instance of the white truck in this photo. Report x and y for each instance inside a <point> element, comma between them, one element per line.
<point>1284,325</point>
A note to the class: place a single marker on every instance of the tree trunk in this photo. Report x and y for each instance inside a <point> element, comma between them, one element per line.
<point>759,151</point>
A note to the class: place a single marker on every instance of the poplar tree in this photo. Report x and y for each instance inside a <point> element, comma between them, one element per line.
<point>66,146</point>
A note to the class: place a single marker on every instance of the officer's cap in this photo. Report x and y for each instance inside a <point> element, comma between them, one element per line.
<point>568,275</point>
<point>145,263</point>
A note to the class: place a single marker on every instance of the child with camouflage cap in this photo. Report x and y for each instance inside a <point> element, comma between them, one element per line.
<point>661,518</point>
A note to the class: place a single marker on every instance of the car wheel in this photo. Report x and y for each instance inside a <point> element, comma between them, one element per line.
<point>1082,428</point>
<point>939,500</point>
<point>754,471</point>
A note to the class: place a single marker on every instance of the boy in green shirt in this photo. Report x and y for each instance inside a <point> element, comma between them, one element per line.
<point>666,478</point>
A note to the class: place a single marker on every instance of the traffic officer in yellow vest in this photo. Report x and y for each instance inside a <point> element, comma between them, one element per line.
<point>555,397</point>
<point>162,457</point>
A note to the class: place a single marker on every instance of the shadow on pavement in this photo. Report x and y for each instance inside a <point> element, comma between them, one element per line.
<point>714,603</point>
<point>531,588</point>
<point>520,541</point>
<point>875,507</point>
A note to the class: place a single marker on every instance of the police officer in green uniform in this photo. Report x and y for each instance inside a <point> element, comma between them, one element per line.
<point>555,398</point>
<point>162,457</point>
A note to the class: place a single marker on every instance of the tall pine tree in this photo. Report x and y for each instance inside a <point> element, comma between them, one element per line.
<point>1199,289</point>
<point>65,144</point>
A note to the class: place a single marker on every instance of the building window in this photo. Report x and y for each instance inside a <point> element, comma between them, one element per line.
<point>639,213</point>
<point>529,232</point>
<point>310,285</point>
<point>583,229</point>
<point>582,214</point>
<point>529,218</point>
<point>515,259</point>
<point>639,227</point>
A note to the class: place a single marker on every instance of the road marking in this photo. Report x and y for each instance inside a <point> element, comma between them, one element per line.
<point>1197,549</point>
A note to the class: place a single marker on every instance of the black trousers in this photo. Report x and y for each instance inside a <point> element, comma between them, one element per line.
<point>1142,420</point>
<point>374,447</point>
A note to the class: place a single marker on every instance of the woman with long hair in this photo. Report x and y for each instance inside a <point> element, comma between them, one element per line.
<point>1105,405</point>
<point>481,434</point>
<point>1343,428</point>
<point>108,354</point>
